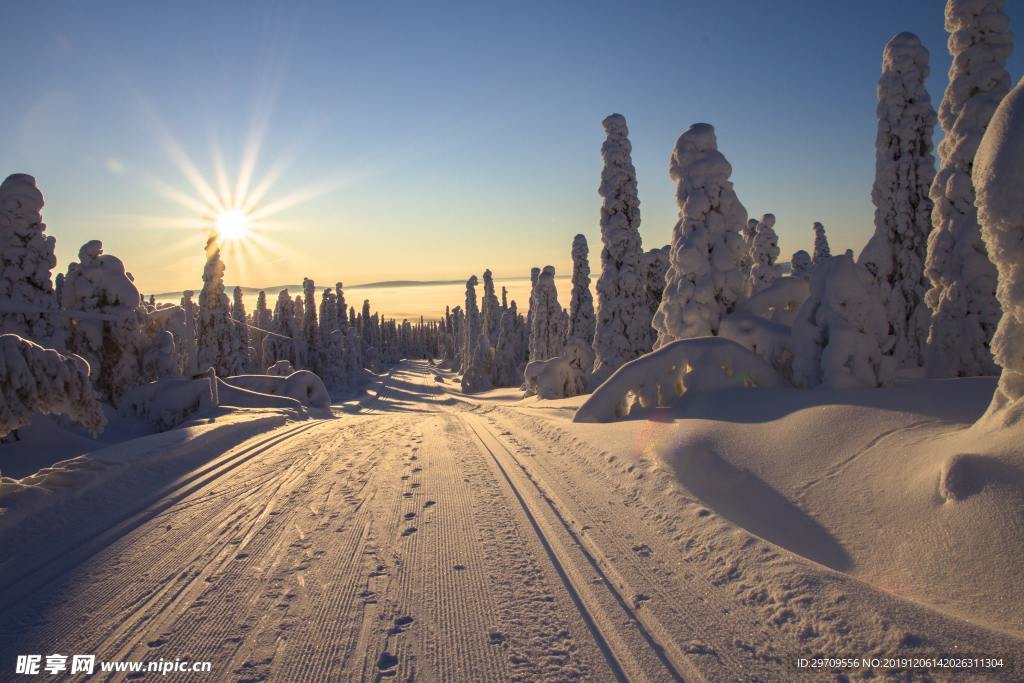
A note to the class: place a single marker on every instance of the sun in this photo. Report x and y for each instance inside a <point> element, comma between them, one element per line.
<point>232,225</point>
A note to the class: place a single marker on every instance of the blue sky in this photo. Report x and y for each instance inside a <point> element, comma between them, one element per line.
<point>440,140</point>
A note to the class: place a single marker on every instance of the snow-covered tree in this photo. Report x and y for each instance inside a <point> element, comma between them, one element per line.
<point>581,302</point>
<point>310,329</point>
<point>749,232</point>
<point>34,379</point>
<point>508,354</point>
<point>331,342</point>
<point>339,293</point>
<point>821,248</point>
<point>105,321</point>
<point>764,251</point>
<point>490,310</point>
<point>998,176</point>
<point>704,281</point>
<point>242,328</point>
<point>841,335</point>
<point>801,264</point>
<point>546,331</point>
<point>262,319</point>
<point>190,344</point>
<point>655,265</point>
<point>904,168</point>
<point>476,367</point>
<point>962,298</point>
<point>621,334</point>
<point>26,260</point>
<point>218,340</point>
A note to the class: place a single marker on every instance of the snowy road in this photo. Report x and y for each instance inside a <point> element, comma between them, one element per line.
<point>427,537</point>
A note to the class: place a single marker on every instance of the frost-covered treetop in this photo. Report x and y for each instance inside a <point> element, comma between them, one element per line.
<point>98,280</point>
<point>621,207</point>
<point>21,198</point>
<point>999,181</point>
<point>696,158</point>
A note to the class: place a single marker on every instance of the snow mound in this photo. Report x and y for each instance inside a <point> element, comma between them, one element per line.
<point>302,385</point>
<point>281,368</point>
<point>37,379</point>
<point>780,301</point>
<point>168,402</point>
<point>701,364</point>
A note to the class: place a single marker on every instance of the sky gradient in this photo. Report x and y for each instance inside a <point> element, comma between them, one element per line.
<point>420,142</point>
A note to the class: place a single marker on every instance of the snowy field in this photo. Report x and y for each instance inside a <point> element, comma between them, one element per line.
<point>433,535</point>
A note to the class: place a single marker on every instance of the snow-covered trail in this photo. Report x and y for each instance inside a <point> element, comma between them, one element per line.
<point>429,536</point>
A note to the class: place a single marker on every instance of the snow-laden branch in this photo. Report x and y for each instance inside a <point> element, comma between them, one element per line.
<point>699,364</point>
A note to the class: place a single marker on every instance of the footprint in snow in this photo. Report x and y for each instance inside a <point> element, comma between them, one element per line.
<point>410,515</point>
<point>387,661</point>
<point>429,504</point>
<point>409,531</point>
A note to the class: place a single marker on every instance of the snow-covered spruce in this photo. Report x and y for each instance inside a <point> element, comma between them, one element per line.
<point>962,297</point>
<point>508,353</point>
<point>546,333</point>
<point>682,366</point>
<point>280,346</point>
<point>476,369</point>
<point>581,302</point>
<point>764,251</point>
<point>219,345</point>
<point>109,327</point>
<point>241,321</point>
<point>704,279</point>
<point>331,342</point>
<point>841,335</point>
<point>26,260</point>
<point>998,176</point>
<point>821,248</point>
<point>490,310</point>
<point>621,335</point>
<point>655,265</point>
<point>310,328</point>
<point>904,168</point>
<point>748,233</point>
<point>801,264</point>
<point>34,379</point>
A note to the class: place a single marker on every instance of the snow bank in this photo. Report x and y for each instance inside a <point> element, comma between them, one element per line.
<point>37,379</point>
<point>700,364</point>
<point>999,179</point>
<point>168,402</point>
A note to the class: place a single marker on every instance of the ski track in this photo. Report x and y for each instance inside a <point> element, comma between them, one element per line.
<point>431,537</point>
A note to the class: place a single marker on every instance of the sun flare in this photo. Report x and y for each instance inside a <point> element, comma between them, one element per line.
<point>232,225</point>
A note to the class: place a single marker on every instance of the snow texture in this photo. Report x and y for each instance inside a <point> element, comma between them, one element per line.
<point>998,176</point>
<point>34,379</point>
<point>904,169</point>
<point>621,334</point>
<point>697,365</point>
<point>704,280</point>
<point>764,252</point>
<point>26,260</point>
<point>581,301</point>
<point>841,334</point>
<point>962,298</point>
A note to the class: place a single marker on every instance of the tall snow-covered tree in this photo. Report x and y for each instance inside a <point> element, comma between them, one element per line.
<point>621,334</point>
<point>476,363</point>
<point>764,251</point>
<point>904,168</point>
<point>821,248</point>
<point>508,355</point>
<point>998,175</point>
<point>191,310</point>
<point>490,310</point>
<point>840,334</point>
<point>704,281</point>
<point>546,332</point>
<point>218,340</point>
<point>26,260</point>
<point>310,329</point>
<point>242,326</point>
<point>581,302</point>
<point>749,232</point>
<point>962,298</point>
<point>339,293</point>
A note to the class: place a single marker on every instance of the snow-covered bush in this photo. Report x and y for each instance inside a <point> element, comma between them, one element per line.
<point>688,365</point>
<point>168,402</point>
<point>962,298</point>
<point>998,176</point>
<point>904,168</point>
<point>770,340</point>
<point>552,379</point>
<point>34,379</point>
<point>704,280</point>
<point>547,335</point>
<point>801,265</point>
<point>841,334</point>
<point>220,346</point>
<point>581,302</point>
<point>621,334</point>
<point>26,261</point>
<point>302,385</point>
<point>764,251</point>
<point>821,248</point>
